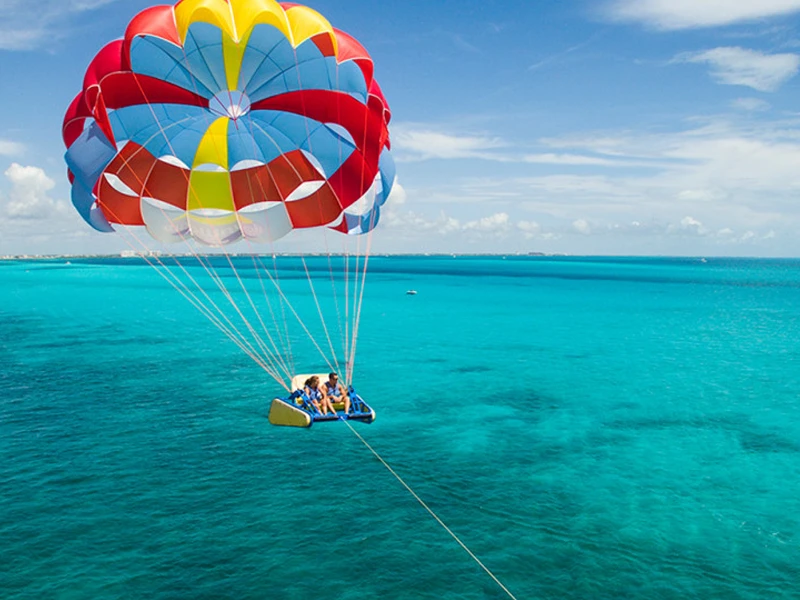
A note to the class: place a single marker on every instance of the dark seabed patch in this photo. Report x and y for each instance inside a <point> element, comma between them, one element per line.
<point>767,442</point>
<point>720,421</point>
<point>472,369</point>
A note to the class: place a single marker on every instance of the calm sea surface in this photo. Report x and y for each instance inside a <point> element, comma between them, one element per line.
<point>591,428</point>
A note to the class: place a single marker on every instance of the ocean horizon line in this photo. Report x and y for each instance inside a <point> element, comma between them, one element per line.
<point>556,255</point>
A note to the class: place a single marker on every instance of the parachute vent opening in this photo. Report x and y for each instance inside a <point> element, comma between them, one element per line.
<point>233,105</point>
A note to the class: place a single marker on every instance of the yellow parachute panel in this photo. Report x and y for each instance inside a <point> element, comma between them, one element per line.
<point>211,190</point>
<point>213,148</point>
<point>249,13</point>
<point>214,12</point>
<point>306,23</point>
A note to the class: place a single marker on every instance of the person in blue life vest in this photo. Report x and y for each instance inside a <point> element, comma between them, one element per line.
<point>316,393</point>
<point>336,392</point>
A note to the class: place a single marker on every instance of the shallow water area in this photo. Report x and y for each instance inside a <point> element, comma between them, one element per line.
<point>591,428</point>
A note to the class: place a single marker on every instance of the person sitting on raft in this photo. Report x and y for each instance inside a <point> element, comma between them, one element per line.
<point>318,396</point>
<point>336,391</point>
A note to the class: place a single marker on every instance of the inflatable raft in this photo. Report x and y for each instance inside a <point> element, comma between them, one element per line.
<point>298,411</point>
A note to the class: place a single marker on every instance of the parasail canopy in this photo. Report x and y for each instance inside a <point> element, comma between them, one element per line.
<point>228,120</point>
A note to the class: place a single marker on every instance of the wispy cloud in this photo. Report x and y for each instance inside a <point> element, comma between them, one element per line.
<point>692,14</point>
<point>751,104</point>
<point>559,56</point>
<point>25,24</point>
<point>740,66</point>
<point>9,148</point>
<point>418,143</point>
<point>572,159</point>
<point>413,143</point>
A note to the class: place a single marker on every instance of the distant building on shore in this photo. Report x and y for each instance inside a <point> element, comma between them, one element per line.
<point>135,254</point>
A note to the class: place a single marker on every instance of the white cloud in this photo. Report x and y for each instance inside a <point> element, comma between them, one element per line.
<point>9,148</point>
<point>751,104</point>
<point>582,226</point>
<point>740,66</point>
<point>688,14</point>
<point>419,143</point>
<point>692,225</point>
<point>499,222</point>
<point>412,224</point>
<point>530,229</point>
<point>27,24</point>
<point>569,159</point>
<point>413,143</point>
<point>397,197</point>
<point>703,195</point>
<point>29,197</point>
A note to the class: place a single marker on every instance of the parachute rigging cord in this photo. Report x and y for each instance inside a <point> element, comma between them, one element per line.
<point>430,511</point>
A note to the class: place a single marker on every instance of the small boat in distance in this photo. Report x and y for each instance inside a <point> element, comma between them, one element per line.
<point>411,293</point>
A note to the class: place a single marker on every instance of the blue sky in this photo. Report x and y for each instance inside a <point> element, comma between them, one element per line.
<point>602,127</point>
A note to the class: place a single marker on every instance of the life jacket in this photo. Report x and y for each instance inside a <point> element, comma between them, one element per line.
<point>333,390</point>
<point>314,394</point>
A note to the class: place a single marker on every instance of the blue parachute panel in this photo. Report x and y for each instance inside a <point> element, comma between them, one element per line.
<point>89,155</point>
<point>165,61</point>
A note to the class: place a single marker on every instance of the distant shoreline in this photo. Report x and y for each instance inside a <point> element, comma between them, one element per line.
<point>156,255</point>
<point>282,254</point>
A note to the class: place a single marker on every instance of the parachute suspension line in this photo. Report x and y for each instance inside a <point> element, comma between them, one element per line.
<point>319,310</point>
<point>361,300</point>
<point>208,267</point>
<point>299,320</point>
<point>357,290</point>
<point>199,287</point>
<point>277,283</point>
<point>347,379</point>
<point>272,357</point>
<point>263,326</point>
<point>335,301</point>
<point>283,341</point>
<point>353,308</point>
<point>235,336</point>
<point>431,512</point>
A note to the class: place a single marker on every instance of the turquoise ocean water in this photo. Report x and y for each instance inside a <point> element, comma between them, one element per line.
<point>590,428</point>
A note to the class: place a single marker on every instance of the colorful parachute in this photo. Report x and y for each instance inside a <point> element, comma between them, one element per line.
<point>222,120</point>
